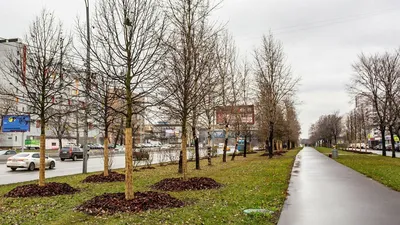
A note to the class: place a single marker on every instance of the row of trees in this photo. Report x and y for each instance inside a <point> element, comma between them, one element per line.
<point>327,129</point>
<point>375,85</point>
<point>169,58</point>
<point>276,88</point>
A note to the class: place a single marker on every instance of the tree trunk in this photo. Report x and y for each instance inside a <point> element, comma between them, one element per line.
<point>392,141</point>
<point>129,194</point>
<point>383,141</point>
<point>196,147</point>
<point>271,140</point>
<point>42,166</point>
<point>60,143</point>
<point>209,147</point>
<point>119,134</point>
<point>234,152</point>
<point>225,143</point>
<point>184,151</point>
<point>106,156</point>
<point>245,147</point>
<point>180,168</point>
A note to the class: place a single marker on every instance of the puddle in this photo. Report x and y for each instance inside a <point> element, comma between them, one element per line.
<point>257,211</point>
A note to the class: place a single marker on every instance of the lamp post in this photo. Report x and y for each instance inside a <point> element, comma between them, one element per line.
<point>87,86</point>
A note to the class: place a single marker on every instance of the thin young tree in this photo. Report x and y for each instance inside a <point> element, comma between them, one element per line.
<point>190,54</point>
<point>275,82</point>
<point>38,84</point>
<point>227,70</point>
<point>133,31</point>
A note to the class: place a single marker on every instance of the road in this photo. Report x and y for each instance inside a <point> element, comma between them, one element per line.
<point>323,191</point>
<point>379,152</point>
<point>69,167</point>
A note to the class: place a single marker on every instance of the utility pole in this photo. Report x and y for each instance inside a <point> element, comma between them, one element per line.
<point>87,87</point>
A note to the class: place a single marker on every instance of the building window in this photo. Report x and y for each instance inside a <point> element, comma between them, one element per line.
<point>53,144</point>
<point>16,138</point>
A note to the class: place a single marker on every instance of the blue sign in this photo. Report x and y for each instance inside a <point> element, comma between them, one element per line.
<point>218,134</point>
<point>15,123</point>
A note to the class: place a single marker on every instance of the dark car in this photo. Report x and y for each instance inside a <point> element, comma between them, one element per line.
<point>72,152</point>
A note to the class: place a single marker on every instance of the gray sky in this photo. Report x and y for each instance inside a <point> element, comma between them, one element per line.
<point>321,38</point>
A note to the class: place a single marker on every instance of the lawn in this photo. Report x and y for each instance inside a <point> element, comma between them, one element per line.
<point>252,182</point>
<point>383,169</point>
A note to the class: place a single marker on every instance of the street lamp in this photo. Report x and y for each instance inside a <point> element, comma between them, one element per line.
<point>87,83</point>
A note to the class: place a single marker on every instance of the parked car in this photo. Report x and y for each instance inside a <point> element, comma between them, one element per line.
<point>71,152</point>
<point>5,154</point>
<point>378,147</point>
<point>29,160</point>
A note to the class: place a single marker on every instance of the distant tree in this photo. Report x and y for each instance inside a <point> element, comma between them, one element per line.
<point>275,82</point>
<point>376,79</point>
<point>40,84</point>
<point>190,55</point>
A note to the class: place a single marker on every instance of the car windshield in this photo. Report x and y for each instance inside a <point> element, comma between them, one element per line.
<point>20,155</point>
<point>65,148</point>
<point>3,152</point>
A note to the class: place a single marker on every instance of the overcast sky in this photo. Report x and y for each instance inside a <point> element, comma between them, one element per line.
<point>321,38</point>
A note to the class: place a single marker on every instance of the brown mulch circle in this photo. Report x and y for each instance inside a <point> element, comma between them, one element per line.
<point>276,153</point>
<point>34,190</point>
<point>194,183</point>
<point>110,203</point>
<point>148,168</point>
<point>100,178</point>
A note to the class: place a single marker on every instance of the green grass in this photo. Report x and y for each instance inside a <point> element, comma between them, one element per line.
<point>383,169</point>
<point>254,182</point>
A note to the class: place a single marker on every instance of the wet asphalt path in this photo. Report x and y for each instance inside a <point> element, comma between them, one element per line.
<point>322,191</point>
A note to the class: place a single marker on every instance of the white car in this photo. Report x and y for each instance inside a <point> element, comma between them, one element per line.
<point>29,160</point>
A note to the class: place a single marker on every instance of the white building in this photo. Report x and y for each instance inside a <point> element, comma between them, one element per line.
<point>15,48</point>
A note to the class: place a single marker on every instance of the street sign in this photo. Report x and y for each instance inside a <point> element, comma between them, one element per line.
<point>13,123</point>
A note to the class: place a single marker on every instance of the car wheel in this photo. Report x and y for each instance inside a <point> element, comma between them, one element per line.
<point>74,158</point>
<point>52,165</point>
<point>13,169</point>
<point>63,160</point>
<point>31,166</point>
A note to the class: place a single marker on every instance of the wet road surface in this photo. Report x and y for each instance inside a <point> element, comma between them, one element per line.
<point>322,191</point>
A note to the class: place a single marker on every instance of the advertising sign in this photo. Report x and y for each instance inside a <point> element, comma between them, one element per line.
<point>12,123</point>
<point>235,114</point>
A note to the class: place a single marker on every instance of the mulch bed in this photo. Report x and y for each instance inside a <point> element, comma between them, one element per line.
<point>111,203</point>
<point>148,168</point>
<point>34,190</point>
<point>241,153</point>
<point>100,178</point>
<point>355,151</point>
<point>194,183</point>
<point>276,153</point>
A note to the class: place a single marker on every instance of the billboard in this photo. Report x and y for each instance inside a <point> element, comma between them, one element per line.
<point>12,123</point>
<point>235,114</point>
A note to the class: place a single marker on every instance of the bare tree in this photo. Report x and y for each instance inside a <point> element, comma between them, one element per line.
<point>374,80</point>
<point>130,35</point>
<point>227,71</point>
<point>38,84</point>
<point>190,55</point>
<point>275,82</point>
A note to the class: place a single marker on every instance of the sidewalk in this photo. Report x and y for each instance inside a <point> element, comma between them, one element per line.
<point>322,191</point>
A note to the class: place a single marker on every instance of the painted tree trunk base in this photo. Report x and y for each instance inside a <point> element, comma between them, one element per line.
<point>42,167</point>
<point>129,194</point>
<point>106,160</point>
